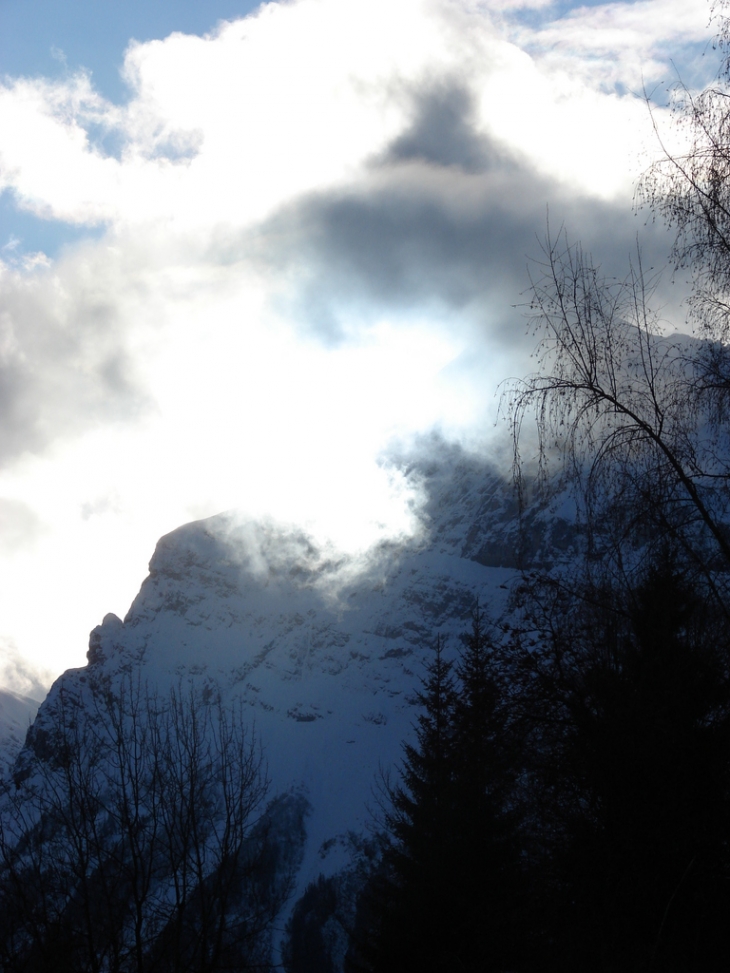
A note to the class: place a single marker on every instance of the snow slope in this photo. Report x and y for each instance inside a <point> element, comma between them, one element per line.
<point>325,652</point>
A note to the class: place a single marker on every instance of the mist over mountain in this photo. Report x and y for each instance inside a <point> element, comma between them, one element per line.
<point>323,651</point>
<point>17,712</point>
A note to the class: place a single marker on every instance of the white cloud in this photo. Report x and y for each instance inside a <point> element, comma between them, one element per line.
<point>227,127</point>
<point>175,367</point>
<point>624,45</point>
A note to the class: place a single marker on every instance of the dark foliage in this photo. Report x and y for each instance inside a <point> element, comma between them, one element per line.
<point>625,697</point>
<point>568,807</point>
<point>447,892</point>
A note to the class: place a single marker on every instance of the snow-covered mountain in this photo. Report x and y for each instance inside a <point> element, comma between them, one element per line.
<point>324,651</point>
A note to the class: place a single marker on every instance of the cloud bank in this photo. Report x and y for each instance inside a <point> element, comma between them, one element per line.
<point>308,231</point>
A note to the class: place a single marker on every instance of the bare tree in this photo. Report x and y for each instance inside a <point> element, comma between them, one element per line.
<point>134,841</point>
<point>639,421</point>
<point>631,419</point>
<point>690,188</point>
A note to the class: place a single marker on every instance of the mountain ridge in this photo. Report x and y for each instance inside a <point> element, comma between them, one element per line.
<point>323,652</point>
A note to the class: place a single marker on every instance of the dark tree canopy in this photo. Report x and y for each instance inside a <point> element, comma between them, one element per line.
<point>447,893</point>
<point>625,697</point>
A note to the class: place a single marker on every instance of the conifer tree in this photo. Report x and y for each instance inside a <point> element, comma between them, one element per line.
<point>419,817</point>
<point>401,913</point>
<point>447,896</point>
<point>493,914</point>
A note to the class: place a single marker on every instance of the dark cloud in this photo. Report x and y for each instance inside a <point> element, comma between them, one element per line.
<point>447,221</point>
<point>440,236</point>
<point>442,131</point>
<point>443,224</point>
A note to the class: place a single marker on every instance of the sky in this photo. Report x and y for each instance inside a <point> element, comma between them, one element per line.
<point>248,252</point>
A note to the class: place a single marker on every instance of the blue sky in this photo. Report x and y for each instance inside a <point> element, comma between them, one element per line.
<point>51,38</point>
<point>292,246</point>
<point>48,37</point>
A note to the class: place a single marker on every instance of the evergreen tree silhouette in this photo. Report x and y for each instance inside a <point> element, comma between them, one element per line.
<point>447,895</point>
<point>401,913</point>
<point>492,920</point>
